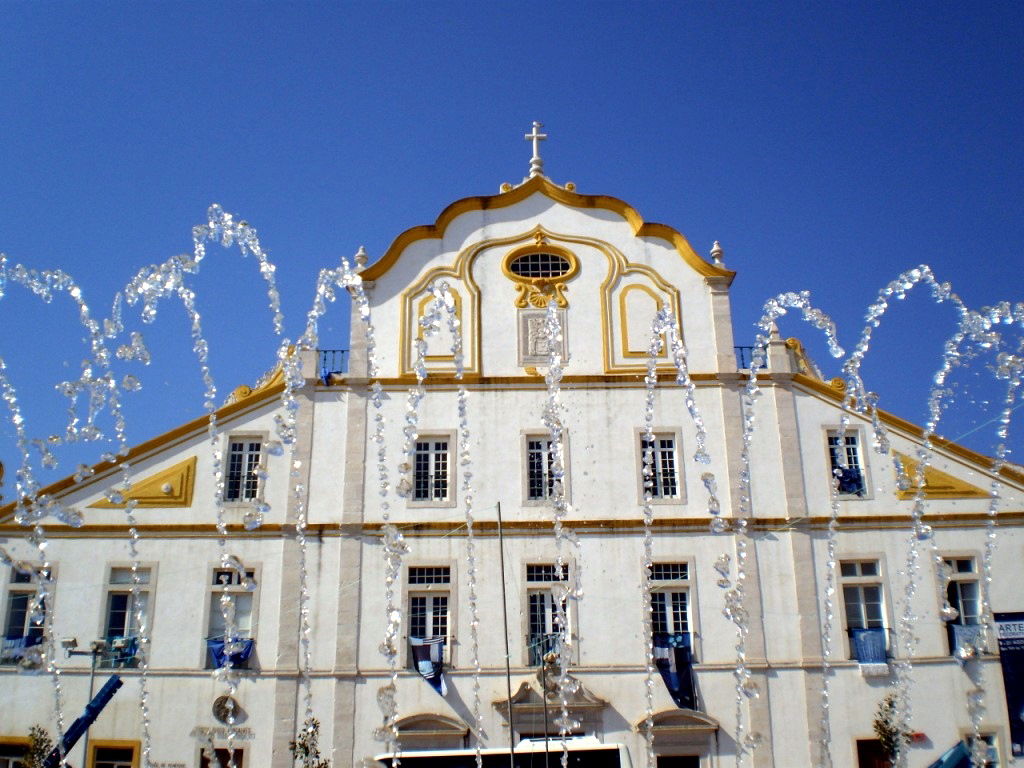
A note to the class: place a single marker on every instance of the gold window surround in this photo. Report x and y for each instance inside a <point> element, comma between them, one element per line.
<point>421,310</point>
<point>619,272</point>
<point>538,291</point>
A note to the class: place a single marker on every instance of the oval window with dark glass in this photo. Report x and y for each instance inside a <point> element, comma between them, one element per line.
<point>540,265</point>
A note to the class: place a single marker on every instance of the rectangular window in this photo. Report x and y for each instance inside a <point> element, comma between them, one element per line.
<point>964,596</point>
<point>544,598</point>
<point>845,462</point>
<point>121,627</point>
<point>865,610</point>
<point>223,759</point>
<point>991,749</point>
<point>431,462</point>
<point>428,604</point>
<point>239,607</point>
<point>241,475</point>
<point>23,618</point>
<point>11,754</point>
<point>658,467</point>
<point>113,757</point>
<point>540,478</point>
<point>670,598</point>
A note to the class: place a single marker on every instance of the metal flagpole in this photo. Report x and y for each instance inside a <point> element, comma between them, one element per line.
<point>508,658</point>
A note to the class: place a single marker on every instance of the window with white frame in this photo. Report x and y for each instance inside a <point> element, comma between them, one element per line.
<point>429,593</point>
<point>223,758</point>
<point>11,754</point>
<point>126,605</point>
<point>540,474</point>
<point>431,477</point>
<point>864,606</point>
<point>104,756</point>
<point>23,618</point>
<point>545,596</point>
<point>670,598</point>
<point>846,463</point>
<point>964,596</point>
<point>990,749</point>
<point>241,470</point>
<point>658,466</point>
<point>232,600</point>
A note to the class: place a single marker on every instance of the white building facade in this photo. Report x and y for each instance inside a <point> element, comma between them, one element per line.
<point>504,258</point>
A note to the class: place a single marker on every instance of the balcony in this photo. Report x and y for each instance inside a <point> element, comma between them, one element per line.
<point>871,647</point>
<point>120,653</point>
<point>850,480</point>
<point>541,645</point>
<point>17,650</point>
<point>237,650</point>
<point>331,361</point>
<point>965,640</point>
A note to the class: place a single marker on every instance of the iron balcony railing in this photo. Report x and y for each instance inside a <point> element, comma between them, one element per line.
<point>745,356</point>
<point>541,645</point>
<point>332,361</point>
<point>871,645</point>
<point>120,652</point>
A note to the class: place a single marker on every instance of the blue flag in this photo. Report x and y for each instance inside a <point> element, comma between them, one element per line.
<point>429,657</point>
<point>675,662</point>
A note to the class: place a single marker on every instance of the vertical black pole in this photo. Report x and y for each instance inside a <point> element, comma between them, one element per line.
<point>508,657</point>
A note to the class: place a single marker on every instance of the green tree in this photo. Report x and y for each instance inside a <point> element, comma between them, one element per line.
<point>888,728</point>
<point>40,745</point>
<point>306,748</point>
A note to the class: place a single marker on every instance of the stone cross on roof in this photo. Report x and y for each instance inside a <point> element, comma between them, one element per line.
<point>536,164</point>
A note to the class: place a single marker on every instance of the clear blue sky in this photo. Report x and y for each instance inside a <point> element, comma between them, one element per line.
<point>828,147</point>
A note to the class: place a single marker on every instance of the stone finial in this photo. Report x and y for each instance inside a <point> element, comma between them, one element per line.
<point>716,254</point>
<point>361,258</point>
<point>536,164</point>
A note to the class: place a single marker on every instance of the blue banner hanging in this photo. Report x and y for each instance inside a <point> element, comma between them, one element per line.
<point>1010,633</point>
<point>675,663</point>
<point>429,657</point>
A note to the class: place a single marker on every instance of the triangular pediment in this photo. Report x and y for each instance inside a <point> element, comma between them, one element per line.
<point>678,720</point>
<point>171,487</point>
<point>430,724</point>
<point>528,699</point>
<point>937,484</point>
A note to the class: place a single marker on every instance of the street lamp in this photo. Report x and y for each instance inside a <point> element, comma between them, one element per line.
<point>96,647</point>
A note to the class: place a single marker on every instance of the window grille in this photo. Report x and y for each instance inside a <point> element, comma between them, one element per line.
<point>430,470</point>
<point>539,465</point>
<point>670,571</point>
<point>658,467</point>
<point>241,479</point>
<point>846,452</point>
<point>669,612</point>
<point>546,572</point>
<point>430,575</point>
<point>540,265</point>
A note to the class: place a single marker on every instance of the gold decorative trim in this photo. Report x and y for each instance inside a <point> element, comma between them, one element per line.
<point>624,321</point>
<point>937,484</point>
<point>543,186</point>
<point>590,527</point>
<point>200,424</point>
<point>538,291</point>
<point>457,299</point>
<point>171,487</point>
<point>804,364</point>
<point>836,390</point>
<point>271,378</point>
